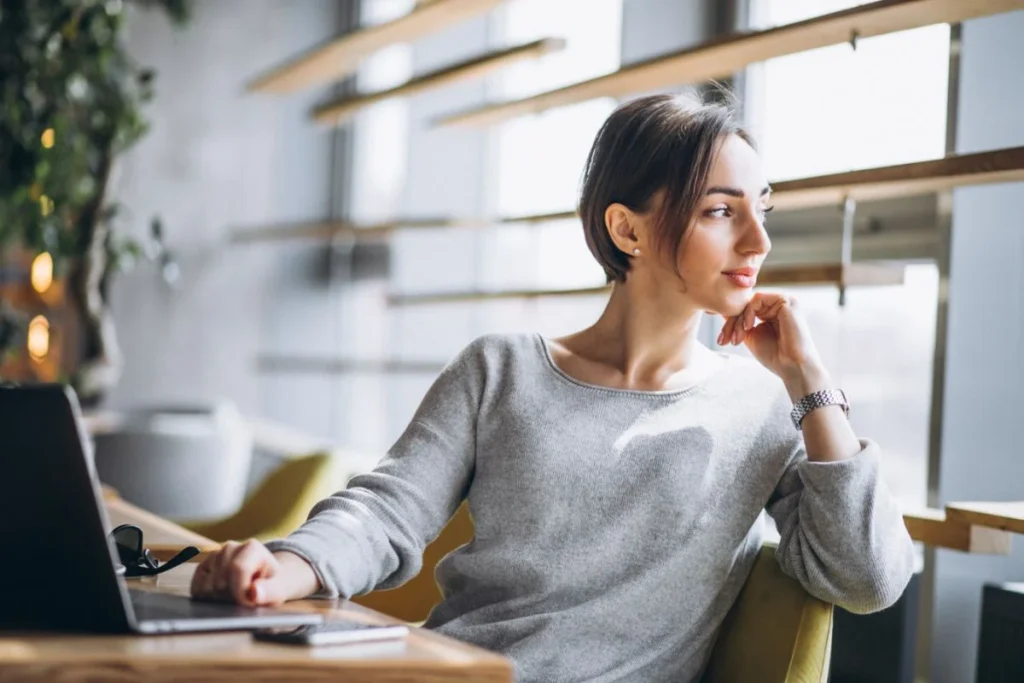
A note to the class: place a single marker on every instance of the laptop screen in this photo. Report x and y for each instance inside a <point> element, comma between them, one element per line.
<point>56,570</point>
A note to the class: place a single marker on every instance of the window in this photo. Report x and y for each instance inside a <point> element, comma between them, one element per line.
<point>818,112</point>
<point>539,162</point>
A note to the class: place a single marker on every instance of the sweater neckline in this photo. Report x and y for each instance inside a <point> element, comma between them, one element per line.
<point>545,351</point>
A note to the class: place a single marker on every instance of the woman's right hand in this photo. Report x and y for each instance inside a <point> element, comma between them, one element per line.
<point>249,574</point>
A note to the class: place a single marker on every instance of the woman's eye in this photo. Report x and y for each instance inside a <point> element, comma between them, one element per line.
<point>719,212</point>
<point>765,211</point>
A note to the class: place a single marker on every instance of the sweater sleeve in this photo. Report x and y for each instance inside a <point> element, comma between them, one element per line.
<point>372,534</point>
<point>842,534</point>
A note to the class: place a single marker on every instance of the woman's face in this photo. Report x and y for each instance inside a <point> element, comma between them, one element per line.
<point>727,243</point>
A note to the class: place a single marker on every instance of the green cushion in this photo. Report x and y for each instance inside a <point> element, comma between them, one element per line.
<point>775,632</point>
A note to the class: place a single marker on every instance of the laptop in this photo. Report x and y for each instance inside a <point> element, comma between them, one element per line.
<point>57,566</point>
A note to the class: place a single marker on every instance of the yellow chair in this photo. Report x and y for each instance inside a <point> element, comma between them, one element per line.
<point>775,632</point>
<point>278,506</point>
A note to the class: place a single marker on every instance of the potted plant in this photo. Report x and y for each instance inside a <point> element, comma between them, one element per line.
<point>70,103</point>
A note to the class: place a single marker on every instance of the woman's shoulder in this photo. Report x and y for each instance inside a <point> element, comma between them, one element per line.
<point>498,352</point>
<point>501,344</point>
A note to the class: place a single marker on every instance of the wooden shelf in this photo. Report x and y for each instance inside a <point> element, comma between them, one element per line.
<point>342,55</point>
<point>724,56</point>
<point>933,527</point>
<point>1008,516</point>
<point>852,275</point>
<point>312,364</point>
<point>326,230</point>
<point>924,177</point>
<point>341,109</point>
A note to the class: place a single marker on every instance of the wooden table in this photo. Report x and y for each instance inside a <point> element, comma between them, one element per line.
<point>1008,516</point>
<point>978,527</point>
<point>422,656</point>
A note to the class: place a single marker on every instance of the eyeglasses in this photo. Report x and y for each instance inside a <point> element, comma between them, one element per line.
<point>137,559</point>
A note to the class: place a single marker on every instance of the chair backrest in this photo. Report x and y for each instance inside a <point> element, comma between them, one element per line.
<point>278,506</point>
<point>775,632</point>
<point>178,461</point>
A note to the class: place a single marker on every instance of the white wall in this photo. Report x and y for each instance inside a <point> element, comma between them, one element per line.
<point>217,157</point>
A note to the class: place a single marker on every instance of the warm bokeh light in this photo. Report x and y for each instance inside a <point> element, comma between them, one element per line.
<point>45,205</point>
<point>48,137</point>
<point>42,272</point>
<point>38,338</point>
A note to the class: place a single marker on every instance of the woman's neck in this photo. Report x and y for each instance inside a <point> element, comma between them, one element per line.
<point>643,341</point>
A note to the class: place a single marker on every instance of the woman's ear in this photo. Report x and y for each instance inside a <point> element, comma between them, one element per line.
<point>621,225</point>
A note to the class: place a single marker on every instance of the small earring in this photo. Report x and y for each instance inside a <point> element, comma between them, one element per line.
<point>636,252</point>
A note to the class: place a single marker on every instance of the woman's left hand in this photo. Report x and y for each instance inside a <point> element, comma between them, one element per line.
<point>781,342</point>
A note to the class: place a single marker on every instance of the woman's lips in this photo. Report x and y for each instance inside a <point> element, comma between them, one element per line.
<point>742,279</point>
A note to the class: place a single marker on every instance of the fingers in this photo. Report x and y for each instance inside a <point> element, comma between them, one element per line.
<point>766,306</point>
<point>268,591</point>
<point>201,576</point>
<point>725,336</point>
<point>219,570</point>
<point>212,578</point>
<point>250,564</point>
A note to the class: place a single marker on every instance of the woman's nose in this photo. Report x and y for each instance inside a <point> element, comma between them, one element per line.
<point>755,238</point>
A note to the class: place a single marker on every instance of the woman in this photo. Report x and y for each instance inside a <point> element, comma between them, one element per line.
<point>617,476</point>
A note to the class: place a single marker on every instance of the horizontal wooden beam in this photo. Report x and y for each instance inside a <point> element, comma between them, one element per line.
<point>932,527</point>
<point>884,182</point>
<point>317,365</point>
<point>341,109</point>
<point>1008,516</point>
<point>852,275</point>
<point>497,295</point>
<point>342,55</point>
<point>924,177</point>
<point>724,56</point>
<point>327,230</point>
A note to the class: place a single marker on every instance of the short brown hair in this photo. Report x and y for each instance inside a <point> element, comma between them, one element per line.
<point>660,142</point>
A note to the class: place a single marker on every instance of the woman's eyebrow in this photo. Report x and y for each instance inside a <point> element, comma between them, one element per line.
<point>735,191</point>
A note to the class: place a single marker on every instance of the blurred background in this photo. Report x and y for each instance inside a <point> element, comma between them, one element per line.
<point>230,256</point>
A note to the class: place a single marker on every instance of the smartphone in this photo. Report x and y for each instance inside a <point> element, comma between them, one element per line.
<point>331,633</point>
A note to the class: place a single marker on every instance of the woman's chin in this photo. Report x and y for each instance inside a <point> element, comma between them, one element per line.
<point>733,305</point>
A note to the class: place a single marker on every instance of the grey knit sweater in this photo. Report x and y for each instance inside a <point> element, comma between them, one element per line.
<point>614,528</point>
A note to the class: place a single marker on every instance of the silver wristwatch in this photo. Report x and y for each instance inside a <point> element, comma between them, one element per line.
<point>819,399</point>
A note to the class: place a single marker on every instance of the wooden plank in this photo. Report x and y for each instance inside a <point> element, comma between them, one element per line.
<point>726,55</point>
<point>341,109</point>
<point>456,297</point>
<point>1008,516</point>
<point>422,655</point>
<point>853,275</point>
<point>932,527</point>
<point>314,364</point>
<point>996,166</point>
<point>342,55</point>
<point>923,177</point>
<point>325,230</point>
<point>163,537</point>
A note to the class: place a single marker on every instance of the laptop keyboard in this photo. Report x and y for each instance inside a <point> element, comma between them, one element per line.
<point>153,606</point>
